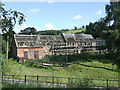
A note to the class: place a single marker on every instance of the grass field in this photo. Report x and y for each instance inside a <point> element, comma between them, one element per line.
<point>91,70</point>
<point>76,31</point>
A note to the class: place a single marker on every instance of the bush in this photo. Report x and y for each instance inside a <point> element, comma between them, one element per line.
<point>10,59</point>
<point>37,66</point>
<point>33,65</point>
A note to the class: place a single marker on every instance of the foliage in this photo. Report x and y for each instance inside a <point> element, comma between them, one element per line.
<point>28,31</point>
<point>58,32</point>
<point>109,29</point>
<point>84,56</point>
<point>50,32</point>
<point>75,27</point>
<point>113,43</point>
<point>4,41</point>
<point>3,46</point>
<point>96,28</point>
<point>9,18</point>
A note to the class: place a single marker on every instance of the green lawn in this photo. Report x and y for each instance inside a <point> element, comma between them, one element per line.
<point>92,69</point>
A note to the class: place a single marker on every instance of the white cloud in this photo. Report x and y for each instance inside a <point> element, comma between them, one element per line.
<point>77,17</point>
<point>49,26</point>
<point>34,10</point>
<point>22,27</point>
<point>72,26</point>
<point>99,12</point>
<point>51,1</point>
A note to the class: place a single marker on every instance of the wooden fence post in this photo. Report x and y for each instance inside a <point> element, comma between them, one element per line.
<point>37,78</point>
<point>68,81</point>
<point>57,82</point>
<point>25,79</point>
<point>13,79</point>
<point>53,80</point>
<point>107,83</point>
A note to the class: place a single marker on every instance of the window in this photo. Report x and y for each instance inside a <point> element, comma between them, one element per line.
<point>36,54</point>
<point>31,52</point>
<point>45,51</point>
<point>25,54</point>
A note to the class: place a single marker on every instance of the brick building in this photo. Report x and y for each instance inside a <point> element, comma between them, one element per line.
<point>37,46</point>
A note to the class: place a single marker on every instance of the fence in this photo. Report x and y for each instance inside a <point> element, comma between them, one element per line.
<point>61,81</point>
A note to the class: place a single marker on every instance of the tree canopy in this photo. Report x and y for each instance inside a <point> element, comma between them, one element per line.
<point>28,31</point>
<point>109,29</point>
<point>9,18</point>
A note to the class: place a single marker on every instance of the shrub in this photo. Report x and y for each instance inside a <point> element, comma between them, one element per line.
<point>33,65</point>
<point>10,59</point>
<point>37,66</point>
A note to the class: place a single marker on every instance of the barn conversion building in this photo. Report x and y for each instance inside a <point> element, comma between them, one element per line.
<point>37,46</point>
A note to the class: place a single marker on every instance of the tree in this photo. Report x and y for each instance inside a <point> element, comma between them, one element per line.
<point>28,31</point>
<point>112,36</point>
<point>75,27</point>
<point>113,14</point>
<point>110,32</point>
<point>9,18</point>
<point>96,28</point>
<point>83,27</point>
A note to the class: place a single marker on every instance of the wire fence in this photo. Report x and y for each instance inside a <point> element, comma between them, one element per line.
<point>61,81</point>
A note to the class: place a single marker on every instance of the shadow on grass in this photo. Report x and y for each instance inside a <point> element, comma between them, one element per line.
<point>97,67</point>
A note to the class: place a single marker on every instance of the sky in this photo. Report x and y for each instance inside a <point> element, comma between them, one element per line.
<point>57,15</point>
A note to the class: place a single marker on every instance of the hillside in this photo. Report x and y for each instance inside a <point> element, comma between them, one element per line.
<point>81,70</point>
<point>58,32</point>
<point>93,69</point>
<point>75,31</point>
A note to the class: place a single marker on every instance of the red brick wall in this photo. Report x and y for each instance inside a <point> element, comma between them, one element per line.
<point>20,52</point>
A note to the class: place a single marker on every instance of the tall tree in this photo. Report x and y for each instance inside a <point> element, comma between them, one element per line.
<point>108,31</point>
<point>75,27</point>
<point>113,15</point>
<point>83,27</point>
<point>112,35</point>
<point>96,28</point>
<point>29,30</point>
<point>8,19</point>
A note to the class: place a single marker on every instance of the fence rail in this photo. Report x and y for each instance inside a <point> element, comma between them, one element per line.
<point>68,81</point>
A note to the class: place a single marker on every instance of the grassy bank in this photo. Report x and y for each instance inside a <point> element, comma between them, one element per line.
<point>91,69</point>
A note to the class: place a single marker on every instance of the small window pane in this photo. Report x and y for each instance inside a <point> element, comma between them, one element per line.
<point>46,51</point>
<point>31,52</point>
